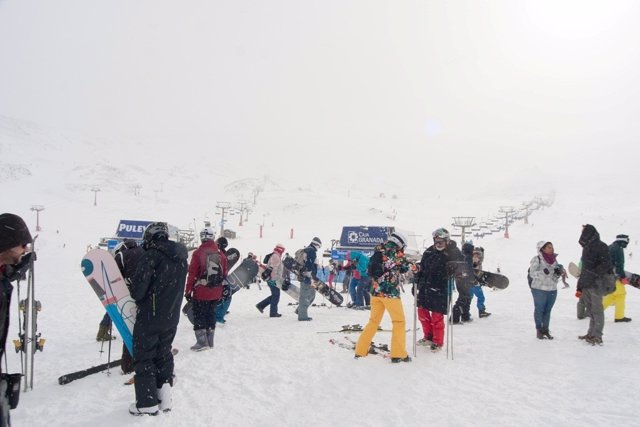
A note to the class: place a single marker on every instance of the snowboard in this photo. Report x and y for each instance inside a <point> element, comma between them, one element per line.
<point>634,279</point>
<point>242,275</point>
<point>574,270</point>
<point>233,255</point>
<point>66,379</point>
<point>102,273</point>
<point>492,280</point>
<point>331,294</point>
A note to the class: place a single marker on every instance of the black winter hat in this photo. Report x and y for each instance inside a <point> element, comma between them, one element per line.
<point>13,232</point>
<point>222,242</point>
<point>467,248</point>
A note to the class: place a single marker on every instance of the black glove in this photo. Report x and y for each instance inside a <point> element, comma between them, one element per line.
<point>557,271</point>
<point>188,297</point>
<point>19,271</point>
<point>285,285</point>
<point>546,271</point>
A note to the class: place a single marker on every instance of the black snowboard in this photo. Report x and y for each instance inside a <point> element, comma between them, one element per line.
<point>66,379</point>
<point>242,275</point>
<point>332,295</point>
<point>492,280</point>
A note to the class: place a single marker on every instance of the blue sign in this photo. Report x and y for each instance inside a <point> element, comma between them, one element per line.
<point>131,229</point>
<point>363,237</point>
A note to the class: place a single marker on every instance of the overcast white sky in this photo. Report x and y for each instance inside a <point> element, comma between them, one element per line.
<point>522,87</point>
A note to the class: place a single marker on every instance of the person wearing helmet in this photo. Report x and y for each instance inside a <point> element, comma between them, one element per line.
<point>385,267</point>
<point>465,281</point>
<point>275,280</point>
<point>157,287</point>
<point>309,274</point>
<point>437,267</point>
<point>205,296</point>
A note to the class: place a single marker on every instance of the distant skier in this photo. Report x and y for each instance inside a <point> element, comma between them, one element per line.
<point>437,267</point>
<point>14,239</point>
<point>275,280</point>
<point>205,296</point>
<point>385,267</point>
<point>157,288</point>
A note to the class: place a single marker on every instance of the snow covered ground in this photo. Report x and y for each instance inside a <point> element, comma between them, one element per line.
<point>282,372</point>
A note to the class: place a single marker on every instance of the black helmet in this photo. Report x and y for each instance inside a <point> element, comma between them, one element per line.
<point>222,242</point>
<point>156,231</point>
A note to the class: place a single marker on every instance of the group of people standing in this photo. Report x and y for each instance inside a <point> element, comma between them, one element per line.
<point>601,283</point>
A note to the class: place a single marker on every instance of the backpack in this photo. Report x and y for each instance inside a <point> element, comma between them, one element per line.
<point>214,273</point>
<point>529,278</point>
<point>266,257</point>
<point>301,258</point>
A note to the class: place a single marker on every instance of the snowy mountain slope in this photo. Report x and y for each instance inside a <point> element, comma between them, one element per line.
<point>282,372</point>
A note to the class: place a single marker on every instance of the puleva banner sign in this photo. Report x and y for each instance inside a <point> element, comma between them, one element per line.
<point>131,229</point>
<point>362,237</point>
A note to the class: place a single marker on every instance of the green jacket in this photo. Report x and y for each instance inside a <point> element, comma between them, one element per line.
<point>616,253</point>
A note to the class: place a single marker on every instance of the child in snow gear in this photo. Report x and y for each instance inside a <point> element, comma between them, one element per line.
<point>545,272</point>
<point>157,287</point>
<point>309,273</point>
<point>204,295</point>
<point>619,296</point>
<point>438,265</point>
<point>14,239</point>
<point>476,290</point>
<point>275,280</point>
<point>385,267</point>
<point>596,265</point>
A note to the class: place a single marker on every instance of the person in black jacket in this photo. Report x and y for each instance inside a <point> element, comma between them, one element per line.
<point>14,238</point>
<point>157,287</point>
<point>127,254</point>
<point>595,265</point>
<point>464,283</point>
<point>438,265</point>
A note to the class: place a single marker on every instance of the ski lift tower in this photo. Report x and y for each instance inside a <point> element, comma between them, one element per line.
<point>37,209</point>
<point>506,211</point>
<point>463,222</point>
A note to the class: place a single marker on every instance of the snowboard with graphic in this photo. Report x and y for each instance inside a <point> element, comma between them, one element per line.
<point>331,294</point>
<point>103,275</point>
<point>634,279</point>
<point>242,275</point>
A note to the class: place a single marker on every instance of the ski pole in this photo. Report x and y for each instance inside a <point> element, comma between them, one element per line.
<point>415,315</point>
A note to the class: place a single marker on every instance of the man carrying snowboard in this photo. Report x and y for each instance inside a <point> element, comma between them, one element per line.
<point>157,287</point>
<point>619,296</point>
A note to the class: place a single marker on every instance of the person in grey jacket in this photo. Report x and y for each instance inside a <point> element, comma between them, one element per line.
<point>545,272</point>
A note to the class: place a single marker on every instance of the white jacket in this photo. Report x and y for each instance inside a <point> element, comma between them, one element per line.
<point>542,280</point>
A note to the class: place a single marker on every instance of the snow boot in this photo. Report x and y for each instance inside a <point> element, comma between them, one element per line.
<point>151,410</point>
<point>210,334</point>
<point>103,334</point>
<point>624,320</point>
<point>546,334</point>
<point>540,334</point>
<point>483,313</point>
<point>435,348</point>
<point>584,337</point>
<point>165,397</point>
<point>400,359</point>
<point>201,340</point>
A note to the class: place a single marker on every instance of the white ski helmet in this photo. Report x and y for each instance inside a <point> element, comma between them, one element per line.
<point>207,233</point>
<point>441,233</point>
<point>398,239</point>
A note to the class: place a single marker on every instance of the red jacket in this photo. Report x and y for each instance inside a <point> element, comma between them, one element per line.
<point>198,270</point>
